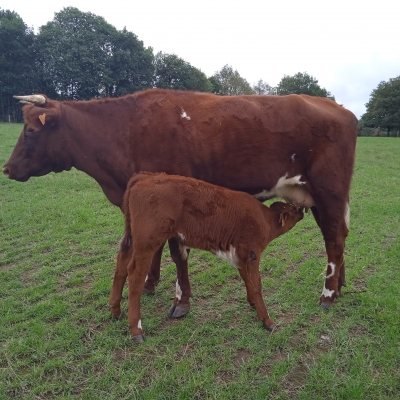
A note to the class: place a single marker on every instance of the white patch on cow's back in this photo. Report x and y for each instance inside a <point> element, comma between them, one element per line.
<point>228,256</point>
<point>178,291</point>
<point>326,292</point>
<point>139,325</point>
<point>347,216</point>
<point>184,115</point>
<point>291,190</point>
<point>333,266</point>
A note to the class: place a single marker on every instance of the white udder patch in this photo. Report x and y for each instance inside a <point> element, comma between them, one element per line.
<point>178,291</point>
<point>228,256</point>
<point>181,236</point>
<point>291,190</point>
<point>333,266</point>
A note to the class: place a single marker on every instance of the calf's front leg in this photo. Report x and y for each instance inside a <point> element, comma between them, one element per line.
<point>249,271</point>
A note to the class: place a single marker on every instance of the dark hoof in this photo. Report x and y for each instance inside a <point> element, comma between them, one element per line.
<point>117,317</point>
<point>147,291</point>
<point>139,338</point>
<point>181,310</point>
<point>271,328</point>
<point>171,310</point>
<point>325,305</point>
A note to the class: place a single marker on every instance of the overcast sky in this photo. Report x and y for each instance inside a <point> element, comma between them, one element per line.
<point>349,46</point>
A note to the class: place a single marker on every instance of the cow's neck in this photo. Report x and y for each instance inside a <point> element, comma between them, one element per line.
<point>94,153</point>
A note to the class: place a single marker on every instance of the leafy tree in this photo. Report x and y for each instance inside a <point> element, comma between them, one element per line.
<point>131,65</point>
<point>301,83</point>
<point>83,56</point>
<point>383,108</point>
<point>172,72</point>
<point>263,88</point>
<point>228,82</point>
<point>18,74</point>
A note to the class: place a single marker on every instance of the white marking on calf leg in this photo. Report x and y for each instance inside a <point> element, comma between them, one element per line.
<point>326,292</point>
<point>139,325</point>
<point>178,292</point>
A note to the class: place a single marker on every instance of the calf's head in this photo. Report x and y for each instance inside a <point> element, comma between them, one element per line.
<point>287,215</point>
<point>39,149</point>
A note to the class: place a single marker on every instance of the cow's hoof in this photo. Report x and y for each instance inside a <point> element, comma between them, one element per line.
<point>139,338</point>
<point>181,310</point>
<point>171,310</point>
<point>147,291</point>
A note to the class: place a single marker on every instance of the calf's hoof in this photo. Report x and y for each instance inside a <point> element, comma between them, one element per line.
<point>325,304</point>
<point>179,310</point>
<point>139,338</point>
<point>117,316</point>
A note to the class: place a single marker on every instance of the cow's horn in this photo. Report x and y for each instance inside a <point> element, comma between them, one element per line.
<point>32,99</point>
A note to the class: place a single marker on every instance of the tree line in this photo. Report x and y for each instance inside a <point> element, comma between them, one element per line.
<point>79,56</point>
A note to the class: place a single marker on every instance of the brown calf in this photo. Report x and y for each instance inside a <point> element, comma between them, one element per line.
<point>232,225</point>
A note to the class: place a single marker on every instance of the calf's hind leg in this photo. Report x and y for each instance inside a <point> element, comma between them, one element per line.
<point>138,268</point>
<point>120,275</point>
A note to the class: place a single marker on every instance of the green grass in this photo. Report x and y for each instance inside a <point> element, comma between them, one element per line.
<point>58,242</point>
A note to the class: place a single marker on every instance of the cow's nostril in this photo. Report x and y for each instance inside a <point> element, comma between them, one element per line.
<point>6,172</point>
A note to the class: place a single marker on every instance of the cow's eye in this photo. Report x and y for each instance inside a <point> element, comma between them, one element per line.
<point>30,130</point>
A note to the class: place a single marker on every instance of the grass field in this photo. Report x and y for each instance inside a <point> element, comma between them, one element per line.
<point>58,242</point>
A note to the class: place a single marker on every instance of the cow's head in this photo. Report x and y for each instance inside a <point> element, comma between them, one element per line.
<point>39,148</point>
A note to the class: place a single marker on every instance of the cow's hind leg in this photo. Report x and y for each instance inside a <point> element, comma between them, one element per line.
<point>181,304</point>
<point>332,222</point>
<point>342,270</point>
<point>120,275</point>
<point>153,277</point>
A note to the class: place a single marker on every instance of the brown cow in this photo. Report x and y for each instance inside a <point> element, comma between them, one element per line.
<point>296,146</point>
<point>232,225</point>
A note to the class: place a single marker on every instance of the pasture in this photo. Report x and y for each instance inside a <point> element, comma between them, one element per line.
<point>58,242</point>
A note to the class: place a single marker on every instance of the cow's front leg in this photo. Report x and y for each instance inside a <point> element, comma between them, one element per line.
<point>181,304</point>
<point>153,277</point>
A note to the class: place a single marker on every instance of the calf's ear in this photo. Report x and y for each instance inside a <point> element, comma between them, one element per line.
<point>283,218</point>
